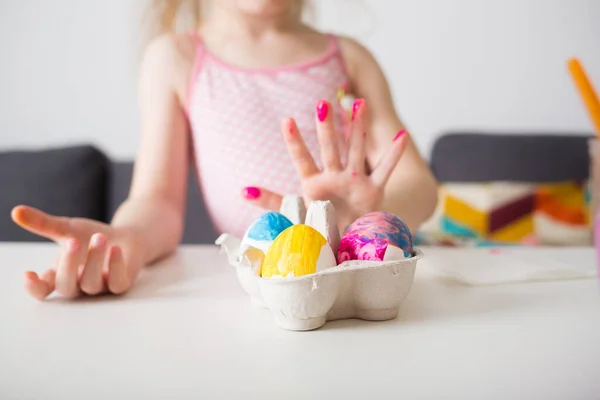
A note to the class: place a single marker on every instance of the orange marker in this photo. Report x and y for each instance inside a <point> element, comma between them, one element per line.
<point>586,91</point>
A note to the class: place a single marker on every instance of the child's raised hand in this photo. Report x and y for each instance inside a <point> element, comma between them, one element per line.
<point>352,191</point>
<point>91,259</point>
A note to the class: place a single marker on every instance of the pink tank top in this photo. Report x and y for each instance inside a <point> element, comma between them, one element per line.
<point>235,116</point>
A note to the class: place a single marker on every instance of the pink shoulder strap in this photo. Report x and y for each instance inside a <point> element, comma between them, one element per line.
<point>195,36</point>
<point>335,45</point>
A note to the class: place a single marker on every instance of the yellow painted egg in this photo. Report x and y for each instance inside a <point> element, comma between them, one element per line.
<point>297,251</point>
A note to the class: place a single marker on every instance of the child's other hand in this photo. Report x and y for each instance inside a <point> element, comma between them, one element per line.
<point>95,258</point>
<point>349,187</point>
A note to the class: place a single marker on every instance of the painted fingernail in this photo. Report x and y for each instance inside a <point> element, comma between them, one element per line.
<point>322,110</point>
<point>291,126</point>
<point>251,193</point>
<point>114,251</point>
<point>98,240</point>
<point>357,104</point>
<point>72,245</point>
<point>399,134</point>
<point>30,276</point>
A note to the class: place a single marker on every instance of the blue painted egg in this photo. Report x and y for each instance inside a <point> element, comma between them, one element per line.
<point>261,233</point>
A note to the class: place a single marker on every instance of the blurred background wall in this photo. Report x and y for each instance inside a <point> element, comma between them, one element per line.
<point>68,68</point>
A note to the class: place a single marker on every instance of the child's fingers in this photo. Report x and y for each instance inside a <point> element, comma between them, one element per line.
<point>118,280</point>
<point>356,149</point>
<point>67,269</point>
<point>40,223</point>
<point>39,287</point>
<point>301,157</point>
<point>328,139</point>
<point>91,279</point>
<point>263,198</point>
<point>389,161</point>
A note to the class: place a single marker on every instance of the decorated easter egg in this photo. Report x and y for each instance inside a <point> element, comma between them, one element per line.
<point>299,250</point>
<point>376,236</point>
<point>261,233</point>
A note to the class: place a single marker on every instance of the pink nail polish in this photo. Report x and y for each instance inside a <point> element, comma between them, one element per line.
<point>72,245</point>
<point>357,104</point>
<point>251,193</point>
<point>399,134</point>
<point>98,240</point>
<point>114,251</point>
<point>322,110</point>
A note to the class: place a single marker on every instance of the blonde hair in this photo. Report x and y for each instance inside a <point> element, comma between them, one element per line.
<point>168,16</point>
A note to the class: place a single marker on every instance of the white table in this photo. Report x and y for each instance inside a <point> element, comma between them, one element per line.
<point>187,330</point>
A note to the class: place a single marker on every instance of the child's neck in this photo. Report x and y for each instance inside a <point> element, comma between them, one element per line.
<point>224,21</point>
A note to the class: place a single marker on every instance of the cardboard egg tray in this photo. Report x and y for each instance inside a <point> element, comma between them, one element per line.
<point>367,290</point>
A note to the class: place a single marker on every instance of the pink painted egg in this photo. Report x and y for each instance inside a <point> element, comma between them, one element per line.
<point>376,236</point>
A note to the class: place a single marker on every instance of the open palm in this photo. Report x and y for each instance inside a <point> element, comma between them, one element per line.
<point>347,185</point>
<point>91,258</point>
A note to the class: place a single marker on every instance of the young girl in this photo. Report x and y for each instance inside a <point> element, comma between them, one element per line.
<point>251,97</point>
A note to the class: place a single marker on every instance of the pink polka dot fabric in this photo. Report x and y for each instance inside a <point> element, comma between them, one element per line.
<point>235,116</point>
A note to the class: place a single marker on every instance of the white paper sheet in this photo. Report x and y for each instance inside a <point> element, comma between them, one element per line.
<point>485,266</point>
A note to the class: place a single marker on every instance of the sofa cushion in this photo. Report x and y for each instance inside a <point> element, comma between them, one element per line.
<point>485,157</point>
<point>69,181</point>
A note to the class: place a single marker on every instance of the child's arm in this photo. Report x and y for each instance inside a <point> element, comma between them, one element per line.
<point>149,224</point>
<point>155,207</point>
<point>411,191</point>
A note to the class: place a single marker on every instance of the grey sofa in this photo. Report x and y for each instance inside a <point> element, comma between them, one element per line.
<point>80,181</point>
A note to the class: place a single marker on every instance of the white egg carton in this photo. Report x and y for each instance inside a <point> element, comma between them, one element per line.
<point>367,290</point>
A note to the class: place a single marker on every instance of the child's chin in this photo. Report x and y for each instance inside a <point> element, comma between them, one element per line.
<point>264,8</point>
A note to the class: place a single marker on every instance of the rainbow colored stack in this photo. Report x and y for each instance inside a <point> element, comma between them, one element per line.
<point>511,213</point>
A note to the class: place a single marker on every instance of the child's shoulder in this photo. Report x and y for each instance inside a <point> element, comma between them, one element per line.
<point>168,60</point>
<point>350,44</point>
<point>356,55</point>
<point>171,47</point>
